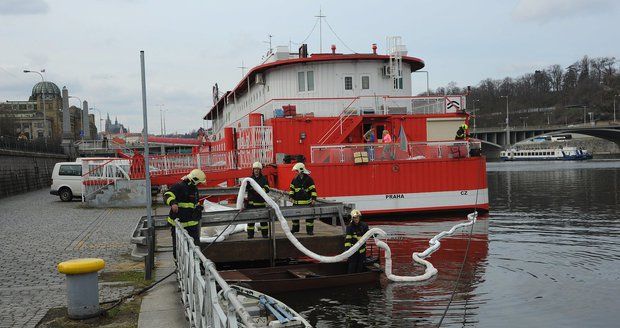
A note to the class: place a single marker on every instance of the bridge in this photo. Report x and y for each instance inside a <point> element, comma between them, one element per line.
<point>496,136</point>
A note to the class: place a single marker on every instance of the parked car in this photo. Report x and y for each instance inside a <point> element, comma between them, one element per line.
<point>67,180</point>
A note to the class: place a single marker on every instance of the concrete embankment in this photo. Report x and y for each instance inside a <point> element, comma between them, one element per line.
<point>26,171</point>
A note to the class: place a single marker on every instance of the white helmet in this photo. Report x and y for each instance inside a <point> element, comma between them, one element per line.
<point>196,176</point>
<point>356,213</point>
<point>257,165</point>
<point>301,168</point>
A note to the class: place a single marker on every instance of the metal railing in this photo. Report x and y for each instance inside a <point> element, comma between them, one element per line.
<point>199,292</point>
<point>27,145</point>
<point>378,152</point>
<point>102,173</point>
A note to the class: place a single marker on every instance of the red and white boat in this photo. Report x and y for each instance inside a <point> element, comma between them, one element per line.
<point>316,108</point>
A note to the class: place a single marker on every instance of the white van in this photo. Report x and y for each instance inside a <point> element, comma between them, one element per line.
<point>67,180</point>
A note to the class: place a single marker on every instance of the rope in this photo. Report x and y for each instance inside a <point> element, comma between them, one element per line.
<point>343,43</point>
<point>316,21</point>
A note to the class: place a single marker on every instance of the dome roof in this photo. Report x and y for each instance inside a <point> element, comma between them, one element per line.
<point>47,88</point>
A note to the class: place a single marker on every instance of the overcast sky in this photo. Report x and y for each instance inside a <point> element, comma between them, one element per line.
<point>92,46</point>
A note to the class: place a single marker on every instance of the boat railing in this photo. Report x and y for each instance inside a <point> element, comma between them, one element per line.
<point>199,292</point>
<point>381,152</point>
<point>102,173</point>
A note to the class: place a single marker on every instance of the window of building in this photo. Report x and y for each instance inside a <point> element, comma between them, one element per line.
<point>365,82</point>
<point>70,170</point>
<point>301,81</point>
<point>348,83</point>
<point>398,83</point>
<point>310,80</point>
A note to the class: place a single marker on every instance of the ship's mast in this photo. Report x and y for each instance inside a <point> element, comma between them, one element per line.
<point>320,17</point>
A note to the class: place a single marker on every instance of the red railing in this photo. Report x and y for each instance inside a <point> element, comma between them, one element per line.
<point>376,152</point>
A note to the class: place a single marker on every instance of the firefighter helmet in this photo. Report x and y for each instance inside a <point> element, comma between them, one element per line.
<point>197,176</point>
<point>300,167</point>
<point>464,126</point>
<point>257,165</point>
<point>356,213</point>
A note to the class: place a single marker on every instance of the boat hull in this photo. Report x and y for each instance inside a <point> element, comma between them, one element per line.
<point>290,278</point>
<point>406,186</point>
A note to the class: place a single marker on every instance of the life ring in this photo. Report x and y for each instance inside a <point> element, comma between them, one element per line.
<point>395,168</point>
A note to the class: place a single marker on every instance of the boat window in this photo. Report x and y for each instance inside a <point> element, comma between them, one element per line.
<point>301,81</point>
<point>310,75</point>
<point>365,82</point>
<point>348,83</point>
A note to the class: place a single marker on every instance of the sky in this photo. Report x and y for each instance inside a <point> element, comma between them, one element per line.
<point>92,46</point>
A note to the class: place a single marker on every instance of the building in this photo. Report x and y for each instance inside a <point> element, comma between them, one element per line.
<point>116,128</point>
<point>19,116</point>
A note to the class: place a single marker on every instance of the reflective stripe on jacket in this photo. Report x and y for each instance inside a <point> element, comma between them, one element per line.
<point>185,196</point>
<point>355,233</point>
<point>302,190</point>
<point>255,198</point>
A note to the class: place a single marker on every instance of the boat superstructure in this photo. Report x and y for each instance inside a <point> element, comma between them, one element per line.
<point>316,108</point>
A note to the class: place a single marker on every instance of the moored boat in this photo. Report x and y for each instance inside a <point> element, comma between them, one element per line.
<point>288,278</point>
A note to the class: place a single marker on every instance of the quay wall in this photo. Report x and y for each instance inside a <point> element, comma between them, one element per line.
<point>26,171</point>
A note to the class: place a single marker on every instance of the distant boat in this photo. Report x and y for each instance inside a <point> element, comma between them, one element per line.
<point>545,154</point>
<point>291,278</point>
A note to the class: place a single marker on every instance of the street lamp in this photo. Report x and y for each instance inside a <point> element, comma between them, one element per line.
<point>100,119</point>
<point>473,111</point>
<point>83,129</point>
<point>584,115</point>
<point>43,88</point>
<point>507,122</point>
<point>615,107</point>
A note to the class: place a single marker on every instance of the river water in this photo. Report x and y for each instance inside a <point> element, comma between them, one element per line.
<point>546,255</point>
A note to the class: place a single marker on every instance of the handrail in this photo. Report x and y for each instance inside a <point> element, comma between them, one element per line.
<point>199,292</point>
<point>334,127</point>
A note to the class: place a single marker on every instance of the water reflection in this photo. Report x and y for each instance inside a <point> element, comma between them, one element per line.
<point>547,255</point>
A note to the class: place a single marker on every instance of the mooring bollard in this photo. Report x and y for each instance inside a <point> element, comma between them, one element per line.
<point>82,286</point>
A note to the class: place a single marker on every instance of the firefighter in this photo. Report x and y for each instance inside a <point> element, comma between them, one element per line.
<point>355,230</point>
<point>183,201</point>
<point>257,201</point>
<point>302,192</point>
<point>461,133</point>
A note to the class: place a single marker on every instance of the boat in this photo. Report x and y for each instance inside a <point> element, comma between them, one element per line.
<point>289,278</point>
<point>316,108</point>
<point>266,311</point>
<point>560,153</point>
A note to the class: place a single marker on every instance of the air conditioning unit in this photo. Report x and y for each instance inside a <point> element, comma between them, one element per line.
<point>386,71</point>
<point>260,79</point>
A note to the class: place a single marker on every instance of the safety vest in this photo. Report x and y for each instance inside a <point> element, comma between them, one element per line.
<point>302,190</point>
<point>185,196</point>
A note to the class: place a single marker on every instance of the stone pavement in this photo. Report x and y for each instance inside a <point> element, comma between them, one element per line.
<point>37,231</point>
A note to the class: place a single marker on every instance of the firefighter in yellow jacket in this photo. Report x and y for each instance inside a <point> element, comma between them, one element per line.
<point>302,192</point>
<point>182,198</point>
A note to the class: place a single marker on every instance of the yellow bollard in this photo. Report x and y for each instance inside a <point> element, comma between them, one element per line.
<point>82,286</point>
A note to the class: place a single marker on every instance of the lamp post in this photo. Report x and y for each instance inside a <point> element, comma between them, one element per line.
<point>615,107</point>
<point>43,102</point>
<point>83,130</point>
<point>428,91</point>
<point>100,119</point>
<point>507,122</point>
<point>473,111</point>
<point>584,115</point>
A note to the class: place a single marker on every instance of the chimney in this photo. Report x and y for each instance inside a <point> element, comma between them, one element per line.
<point>66,116</point>
<point>374,48</point>
<point>333,49</point>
